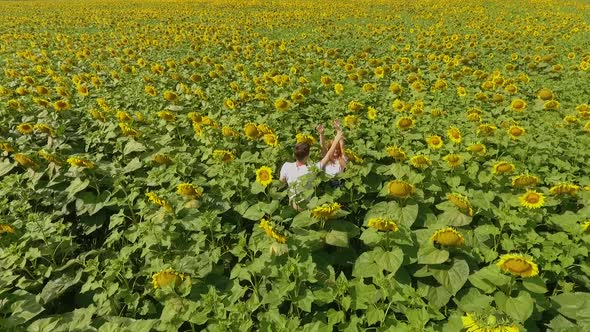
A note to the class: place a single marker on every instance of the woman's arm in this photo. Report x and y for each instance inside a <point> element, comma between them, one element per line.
<point>326,158</point>
<point>342,160</point>
<point>320,129</point>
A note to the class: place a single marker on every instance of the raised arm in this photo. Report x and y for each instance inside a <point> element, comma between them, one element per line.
<point>342,159</point>
<point>320,129</point>
<point>335,144</point>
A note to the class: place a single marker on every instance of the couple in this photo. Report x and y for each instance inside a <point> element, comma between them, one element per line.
<point>333,162</point>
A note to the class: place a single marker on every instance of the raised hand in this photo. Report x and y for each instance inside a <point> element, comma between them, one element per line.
<point>320,128</point>
<point>336,124</point>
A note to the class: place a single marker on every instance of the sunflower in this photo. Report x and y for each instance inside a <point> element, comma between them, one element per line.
<point>154,198</point>
<point>587,126</point>
<point>420,161</point>
<point>24,161</point>
<point>586,226</point>
<point>251,131</point>
<point>570,119</point>
<point>282,104</point>
<point>454,135</point>
<point>461,91</point>
<point>162,159</point>
<point>6,147</point>
<point>25,128</point>
<point>300,138</point>
<point>271,232</point>
<point>270,139</point>
<point>502,167</point>
<point>382,224</point>
<point>45,128</point>
<point>405,123</point>
<point>400,189</point>
<point>477,148</point>
<point>123,116</point>
<point>396,153</point>
<point>326,80</point>
<point>169,277</point>
<point>61,105</point>
<point>448,237</point>
<point>325,211</point>
<point>518,265</point>
<point>371,113</point>
<point>189,190</point>
<point>230,104</point>
<point>224,155</point>
<point>486,129</point>
<point>511,89</point>
<point>474,117</point>
<point>545,94</point>
<point>350,121</point>
<point>166,116</point>
<point>551,105</point>
<point>297,97</point>
<point>338,88</point>
<point>564,188</point>
<point>170,95</point>
<point>354,106</point>
<point>518,105</point>
<point>453,159</point>
<point>128,130</point>
<point>532,199</point>
<point>264,175</point>
<point>263,129</point>
<point>355,158</point>
<point>481,323</point>
<point>434,142</point>
<point>79,162</point>
<point>6,228</point>
<point>461,202</point>
<point>82,90</point>
<point>395,88</point>
<point>525,180</point>
<point>98,115</point>
<point>516,131</point>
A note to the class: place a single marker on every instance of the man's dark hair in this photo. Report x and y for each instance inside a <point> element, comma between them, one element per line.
<point>301,151</point>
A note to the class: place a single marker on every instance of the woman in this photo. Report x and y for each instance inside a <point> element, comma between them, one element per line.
<point>337,159</point>
<point>292,172</point>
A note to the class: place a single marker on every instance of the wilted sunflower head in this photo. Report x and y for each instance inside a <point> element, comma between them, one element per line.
<point>454,135</point>
<point>420,161</point>
<point>461,202</point>
<point>251,130</point>
<point>503,167</point>
<point>405,123</point>
<point>189,190</point>
<point>518,265</point>
<point>169,277</point>
<point>400,189</point>
<point>453,159</point>
<point>325,211</point>
<point>383,224</point>
<point>564,189</point>
<point>396,153</point>
<point>448,237</point>
<point>525,180</point>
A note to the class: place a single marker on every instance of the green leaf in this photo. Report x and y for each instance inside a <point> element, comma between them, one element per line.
<point>520,307</point>
<point>56,287</point>
<point>390,260</point>
<point>254,212</point>
<point>406,215</point>
<point>488,279</point>
<point>304,219</point>
<point>454,218</point>
<point>453,277</point>
<point>438,296</point>
<point>337,238</point>
<point>535,285</point>
<point>365,266</point>
<point>6,166</point>
<point>431,255</point>
<point>76,186</point>
<point>133,146</point>
<point>472,300</point>
<point>573,305</point>
<point>22,307</point>
<point>133,165</point>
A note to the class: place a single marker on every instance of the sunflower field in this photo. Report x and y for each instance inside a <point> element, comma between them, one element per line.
<point>141,142</point>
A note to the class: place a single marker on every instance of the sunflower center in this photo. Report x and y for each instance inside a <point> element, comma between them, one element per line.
<point>264,176</point>
<point>405,123</point>
<point>504,168</point>
<point>532,198</point>
<point>517,265</point>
